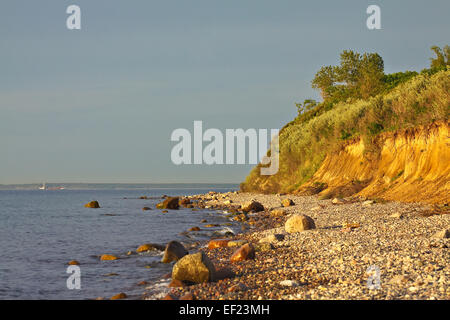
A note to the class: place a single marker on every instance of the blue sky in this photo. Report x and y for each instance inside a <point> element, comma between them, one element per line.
<point>99,104</point>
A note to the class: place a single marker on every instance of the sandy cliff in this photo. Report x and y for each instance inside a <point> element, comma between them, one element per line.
<point>411,165</point>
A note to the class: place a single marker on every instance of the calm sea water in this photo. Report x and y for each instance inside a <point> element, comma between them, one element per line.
<point>41,231</point>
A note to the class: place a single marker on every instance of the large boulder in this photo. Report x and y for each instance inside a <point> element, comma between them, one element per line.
<point>246,252</point>
<point>169,203</point>
<point>252,206</point>
<point>173,252</point>
<point>196,268</point>
<point>92,204</point>
<point>298,223</point>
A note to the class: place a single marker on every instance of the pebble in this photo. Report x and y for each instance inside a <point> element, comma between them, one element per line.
<point>289,283</point>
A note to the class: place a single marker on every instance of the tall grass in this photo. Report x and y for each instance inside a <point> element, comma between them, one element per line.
<point>305,142</point>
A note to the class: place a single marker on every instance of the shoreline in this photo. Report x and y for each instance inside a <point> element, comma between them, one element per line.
<point>353,237</point>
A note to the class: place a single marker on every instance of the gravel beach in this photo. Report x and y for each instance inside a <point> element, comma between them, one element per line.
<point>359,249</point>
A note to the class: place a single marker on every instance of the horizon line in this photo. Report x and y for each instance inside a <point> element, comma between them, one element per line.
<point>116,183</point>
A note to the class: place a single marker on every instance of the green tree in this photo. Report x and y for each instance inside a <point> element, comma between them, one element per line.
<point>442,57</point>
<point>349,70</point>
<point>357,76</point>
<point>370,75</point>
<point>323,80</point>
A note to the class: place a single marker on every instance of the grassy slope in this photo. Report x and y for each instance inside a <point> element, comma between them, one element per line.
<point>305,142</point>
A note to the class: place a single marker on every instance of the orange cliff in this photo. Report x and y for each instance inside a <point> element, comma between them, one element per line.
<point>411,165</point>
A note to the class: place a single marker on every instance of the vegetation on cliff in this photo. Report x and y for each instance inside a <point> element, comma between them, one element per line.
<point>359,103</point>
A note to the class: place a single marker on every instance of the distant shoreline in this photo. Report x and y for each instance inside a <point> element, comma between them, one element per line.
<point>121,186</point>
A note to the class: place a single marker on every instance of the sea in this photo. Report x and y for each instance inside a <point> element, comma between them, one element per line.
<point>42,230</point>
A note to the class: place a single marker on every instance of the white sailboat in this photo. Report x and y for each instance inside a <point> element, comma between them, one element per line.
<point>43,187</point>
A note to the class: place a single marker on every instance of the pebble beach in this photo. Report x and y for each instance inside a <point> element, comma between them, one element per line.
<point>359,249</point>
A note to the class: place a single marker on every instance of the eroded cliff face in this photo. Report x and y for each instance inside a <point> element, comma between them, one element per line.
<point>411,165</point>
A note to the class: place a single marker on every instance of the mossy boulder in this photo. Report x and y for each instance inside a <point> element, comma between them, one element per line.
<point>196,268</point>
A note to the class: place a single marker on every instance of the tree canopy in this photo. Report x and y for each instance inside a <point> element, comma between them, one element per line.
<point>442,57</point>
<point>360,76</point>
<point>357,76</point>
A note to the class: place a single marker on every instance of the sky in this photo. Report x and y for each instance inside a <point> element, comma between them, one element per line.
<point>99,104</point>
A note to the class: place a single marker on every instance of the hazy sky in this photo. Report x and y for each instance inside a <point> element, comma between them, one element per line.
<point>99,104</point>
